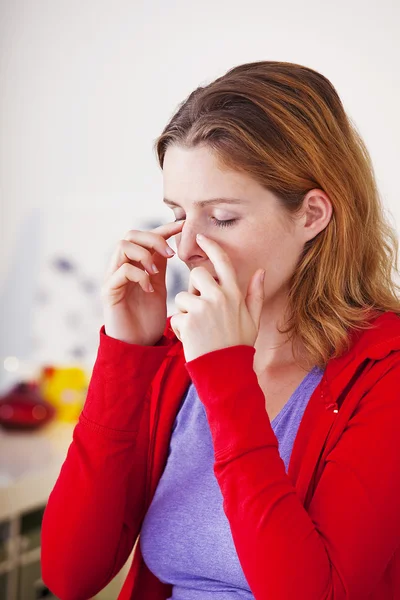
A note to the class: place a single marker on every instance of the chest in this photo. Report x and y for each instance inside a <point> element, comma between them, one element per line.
<point>278,389</point>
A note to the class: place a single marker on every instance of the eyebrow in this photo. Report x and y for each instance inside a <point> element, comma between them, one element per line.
<point>202,203</point>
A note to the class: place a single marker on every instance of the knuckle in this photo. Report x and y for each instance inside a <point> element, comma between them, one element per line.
<point>121,245</point>
<point>129,234</point>
<point>219,296</point>
<point>125,268</point>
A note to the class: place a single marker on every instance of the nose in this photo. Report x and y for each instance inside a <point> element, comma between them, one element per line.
<point>188,249</point>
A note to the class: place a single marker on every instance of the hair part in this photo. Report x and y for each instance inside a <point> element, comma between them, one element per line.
<point>284,125</point>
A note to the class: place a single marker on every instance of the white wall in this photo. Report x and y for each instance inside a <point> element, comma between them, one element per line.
<point>87,86</point>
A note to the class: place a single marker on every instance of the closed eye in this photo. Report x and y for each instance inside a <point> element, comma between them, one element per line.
<point>217,222</point>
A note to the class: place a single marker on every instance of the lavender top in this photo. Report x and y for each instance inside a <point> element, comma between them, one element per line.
<point>185,537</point>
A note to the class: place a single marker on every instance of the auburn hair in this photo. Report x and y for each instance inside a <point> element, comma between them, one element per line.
<point>284,124</point>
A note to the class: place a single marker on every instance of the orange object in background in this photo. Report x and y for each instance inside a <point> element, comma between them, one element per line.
<point>65,388</point>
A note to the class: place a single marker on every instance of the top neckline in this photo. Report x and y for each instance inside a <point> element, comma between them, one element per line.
<point>286,406</point>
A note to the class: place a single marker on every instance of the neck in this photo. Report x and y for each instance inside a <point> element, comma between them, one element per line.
<point>274,350</point>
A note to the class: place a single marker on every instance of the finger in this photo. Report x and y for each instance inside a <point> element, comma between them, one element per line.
<point>137,246</point>
<point>185,302</point>
<point>125,274</point>
<point>166,230</point>
<point>255,297</point>
<point>156,238</point>
<point>175,324</point>
<point>221,262</point>
<point>128,252</point>
<point>202,283</point>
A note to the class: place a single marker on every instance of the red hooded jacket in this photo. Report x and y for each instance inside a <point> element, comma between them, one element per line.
<point>328,529</point>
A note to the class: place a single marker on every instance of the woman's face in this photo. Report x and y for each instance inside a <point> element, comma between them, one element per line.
<point>257,234</point>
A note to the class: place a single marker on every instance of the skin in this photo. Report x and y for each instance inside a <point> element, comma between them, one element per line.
<point>262,237</point>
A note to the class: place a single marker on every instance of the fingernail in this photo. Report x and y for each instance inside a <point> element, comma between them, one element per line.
<point>263,276</point>
<point>169,251</point>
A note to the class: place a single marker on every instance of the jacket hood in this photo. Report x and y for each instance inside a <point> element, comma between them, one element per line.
<point>374,344</point>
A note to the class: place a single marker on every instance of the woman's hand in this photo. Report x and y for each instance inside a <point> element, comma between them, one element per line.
<point>132,312</point>
<point>219,317</point>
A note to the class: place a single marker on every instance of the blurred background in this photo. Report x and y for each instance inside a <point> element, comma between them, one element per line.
<point>85,88</point>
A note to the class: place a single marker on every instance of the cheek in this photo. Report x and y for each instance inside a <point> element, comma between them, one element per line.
<point>280,259</point>
<point>270,248</point>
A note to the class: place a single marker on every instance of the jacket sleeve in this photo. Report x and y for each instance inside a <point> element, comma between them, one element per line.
<point>94,511</point>
<point>337,549</point>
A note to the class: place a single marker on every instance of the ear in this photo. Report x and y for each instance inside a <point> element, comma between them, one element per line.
<point>316,214</point>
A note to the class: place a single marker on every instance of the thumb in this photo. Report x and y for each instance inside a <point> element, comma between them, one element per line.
<point>255,296</point>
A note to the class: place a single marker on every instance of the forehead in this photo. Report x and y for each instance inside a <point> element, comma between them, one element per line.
<point>195,174</point>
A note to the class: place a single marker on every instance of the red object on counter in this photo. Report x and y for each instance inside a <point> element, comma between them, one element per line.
<point>24,408</point>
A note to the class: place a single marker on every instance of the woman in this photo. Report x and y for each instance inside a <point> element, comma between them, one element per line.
<point>251,438</point>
